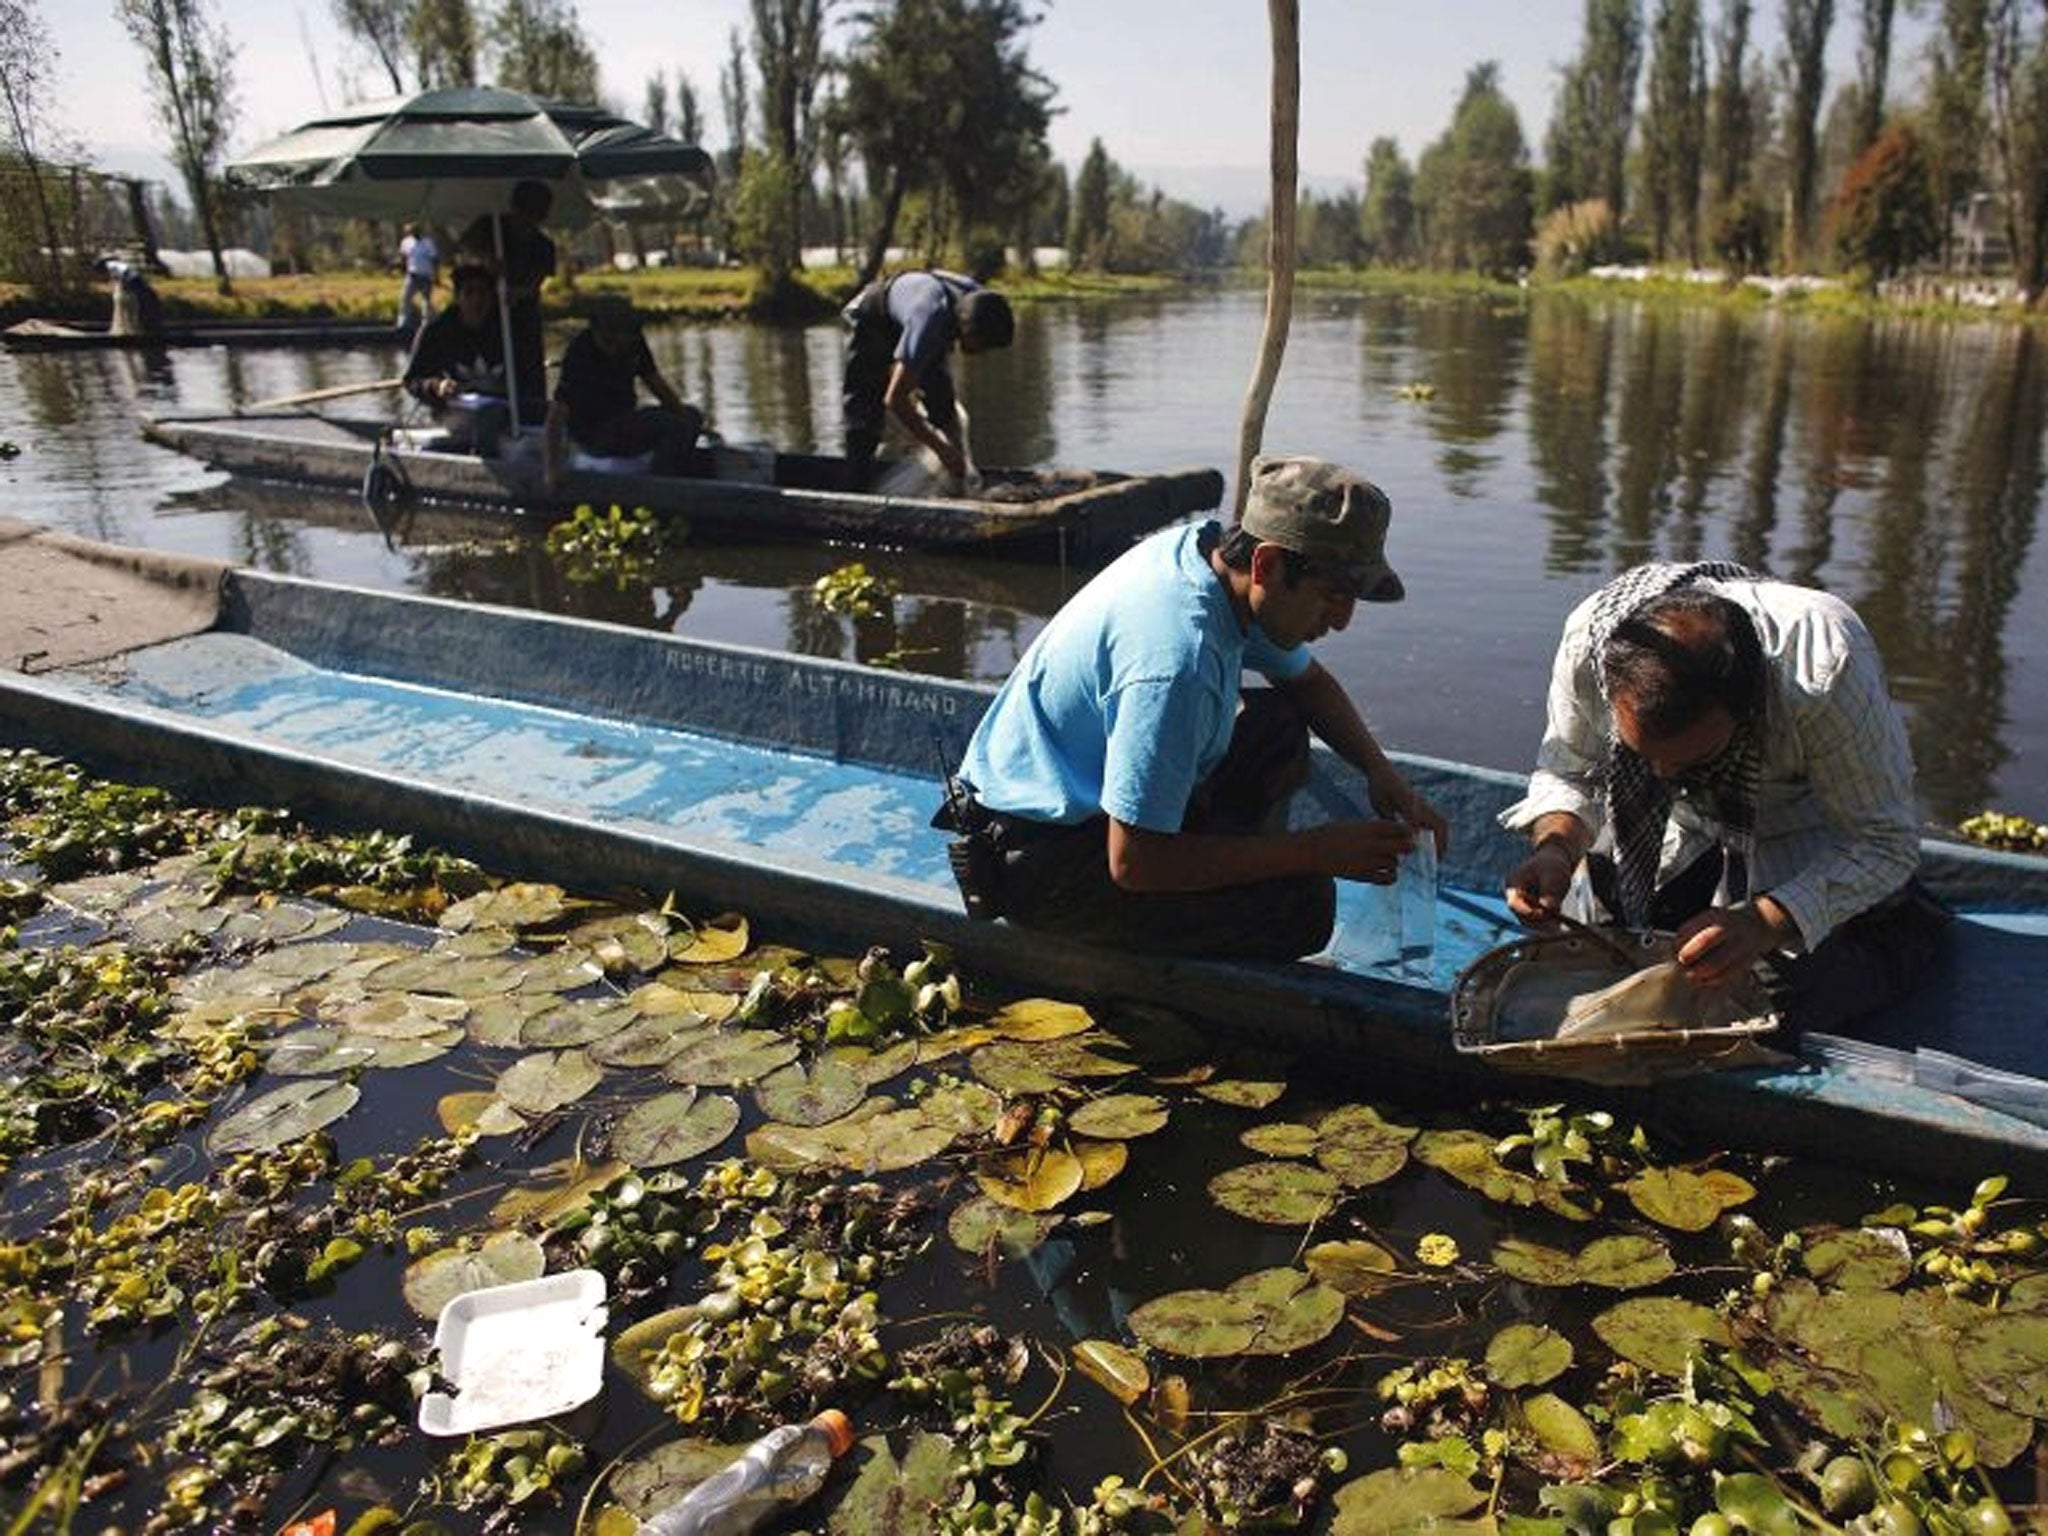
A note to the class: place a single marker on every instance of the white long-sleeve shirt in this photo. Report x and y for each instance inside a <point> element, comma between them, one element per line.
<point>1837,818</point>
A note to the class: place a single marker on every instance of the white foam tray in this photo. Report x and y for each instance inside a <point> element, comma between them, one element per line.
<point>516,1353</point>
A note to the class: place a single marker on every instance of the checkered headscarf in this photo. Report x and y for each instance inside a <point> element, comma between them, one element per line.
<point>1638,802</point>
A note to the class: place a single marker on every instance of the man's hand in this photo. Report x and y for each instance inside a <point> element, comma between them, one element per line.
<point>1399,799</point>
<point>1536,889</point>
<point>443,388</point>
<point>1365,850</point>
<point>1717,947</point>
<point>954,460</point>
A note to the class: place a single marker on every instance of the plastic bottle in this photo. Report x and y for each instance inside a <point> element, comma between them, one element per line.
<point>783,1467</point>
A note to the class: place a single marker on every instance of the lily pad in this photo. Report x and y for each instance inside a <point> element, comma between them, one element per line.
<point>1469,1157</point>
<point>547,1080</point>
<point>1101,1161</point>
<point>1120,1116</point>
<point>968,1109</point>
<point>478,1110</point>
<point>1030,1178</point>
<point>730,1058</point>
<point>648,1484</point>
<point>562,1189</point>
<point>1118,1371</point>
<point>1660,1333</point>
<point>1626,1262</point>
<point>1278,1194</point>
<point>674,1128</point>
<point>892,1498</point>
<point>1040,1018</point>
<point>1269,1312</point>
<point>1536,1263</point>
<point>1859,1258</point>
<point>800,1095</point>
<point>284,1114</point>
<point>2002,1355</point>
<point>503,1258</point>
<point>649,1043</point>
<point>980,1222</point>
<point>517,905</point>
<point>1527,1355</point>
<point>712,942</point>
<point>497,1021</point>
<point>898,1139</point>
<point>1675,1197</point>
<point>400,1015</point>
<point>1353,1266</point>
<point>1281,1138</point>
<point>1562,1430</point>
<point>1360,1148</point>
<point>1403,1501</point>
<point>628,940</point>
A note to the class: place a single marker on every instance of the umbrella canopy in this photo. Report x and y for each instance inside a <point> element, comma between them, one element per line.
<point>450,155</point>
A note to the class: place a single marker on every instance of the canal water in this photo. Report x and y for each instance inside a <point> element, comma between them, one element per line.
<point>1532,447</point>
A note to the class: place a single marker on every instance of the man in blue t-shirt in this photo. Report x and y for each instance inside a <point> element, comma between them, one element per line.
<point>1124,789</point>
<point>902,330</point>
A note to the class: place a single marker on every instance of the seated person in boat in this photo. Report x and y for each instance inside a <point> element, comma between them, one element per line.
<point>516,244</point>
<point>1124,788</point>
<point>1723,754</point>
<point>902,330</point>
<point>595,406</point>
<point>461,351</point>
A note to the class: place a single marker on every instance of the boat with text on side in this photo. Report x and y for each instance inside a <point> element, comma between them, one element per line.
<point>1079,515</point>
<point>800,791</point>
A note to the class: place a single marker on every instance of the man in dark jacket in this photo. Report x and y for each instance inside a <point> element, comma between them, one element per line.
<point>596,406</point>
<point>461,351</point>
<point>902,330</point>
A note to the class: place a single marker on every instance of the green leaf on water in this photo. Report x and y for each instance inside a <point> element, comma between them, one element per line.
<point>1040,1018</point>
<point>1858,1258</point>
<point>674,1128</point>
<point>1536,1263</point>
<point>547,1080</point>
<point>730,1058</point>
<point>284,1114</point>
<point>1396,1501</point>
<point>648,1484</point>
<point>517,905</point>
<point>1280,1138</point>
<point>1659,1333</point>
<point>1120,1116</point>
<point>1626,1262</point>
<point>503,1258</point>
<point>1353,1266</point>
<point>1269,1312</point>
<point>1278,1194</point>
<point>1753,1502</point>
<point>1675,1197</point>
<point>980,1222</point>
<point>1561,1429</point>
<point>892,1498</point>
<point>810,1095</point>
<point>1527,1355</point>
<point>1118,1371</point>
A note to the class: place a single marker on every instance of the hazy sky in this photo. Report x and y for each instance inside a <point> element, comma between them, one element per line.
<point>1168,85</point>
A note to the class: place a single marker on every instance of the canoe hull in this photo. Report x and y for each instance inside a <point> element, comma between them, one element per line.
<point>1091,523</point>
<point>1359,1026</point>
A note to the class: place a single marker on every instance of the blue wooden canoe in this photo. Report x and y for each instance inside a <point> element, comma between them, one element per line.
<point>799,791</point>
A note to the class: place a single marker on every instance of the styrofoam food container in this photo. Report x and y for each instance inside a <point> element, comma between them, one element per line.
<point>516,1353</point>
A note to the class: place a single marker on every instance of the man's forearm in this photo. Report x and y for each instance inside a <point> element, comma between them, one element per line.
<point>1205,861</point>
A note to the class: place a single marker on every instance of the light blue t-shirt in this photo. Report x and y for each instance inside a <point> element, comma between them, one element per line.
<point>1125,701</point>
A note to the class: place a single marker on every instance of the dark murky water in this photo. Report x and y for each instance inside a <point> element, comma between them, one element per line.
<point>1899,464</point>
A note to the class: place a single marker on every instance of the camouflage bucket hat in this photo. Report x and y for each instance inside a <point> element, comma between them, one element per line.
<point>1330,517</point>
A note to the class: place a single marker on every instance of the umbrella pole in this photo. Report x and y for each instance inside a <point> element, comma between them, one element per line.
<point>505,320</point>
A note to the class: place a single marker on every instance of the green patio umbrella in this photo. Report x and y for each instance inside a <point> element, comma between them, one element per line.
<point>453,155</point>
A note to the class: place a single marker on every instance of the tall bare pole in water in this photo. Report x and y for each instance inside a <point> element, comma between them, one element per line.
<point>1285,16</point>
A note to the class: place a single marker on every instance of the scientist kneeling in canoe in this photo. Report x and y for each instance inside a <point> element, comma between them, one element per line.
<point>1124,788</point>
<point>1723,755</point>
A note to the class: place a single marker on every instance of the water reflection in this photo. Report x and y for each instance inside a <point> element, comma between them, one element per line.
<point>1897,464</point>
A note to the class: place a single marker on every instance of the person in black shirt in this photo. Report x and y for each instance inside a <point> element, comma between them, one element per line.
<point>528,258</point>
<point>461,351</point>
<point>595,405</point>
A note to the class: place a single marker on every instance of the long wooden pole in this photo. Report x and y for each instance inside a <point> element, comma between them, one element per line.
<point>1285,16</point>
<point>337,392</point>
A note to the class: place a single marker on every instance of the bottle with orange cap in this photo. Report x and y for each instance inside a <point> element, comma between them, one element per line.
<point>783,1467</point>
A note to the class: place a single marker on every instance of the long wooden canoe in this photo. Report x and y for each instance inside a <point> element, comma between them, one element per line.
<point>1081,516</point>
<point>94,336</point>
<point>800,791</point>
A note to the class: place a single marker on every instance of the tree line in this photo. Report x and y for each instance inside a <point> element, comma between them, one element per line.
<point>1676,136</point>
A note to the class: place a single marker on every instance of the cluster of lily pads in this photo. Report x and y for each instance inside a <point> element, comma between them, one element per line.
<point>759,1148</point>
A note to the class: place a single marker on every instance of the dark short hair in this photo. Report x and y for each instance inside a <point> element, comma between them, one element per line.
<point>1679,657</point>
<point>985,319</point>
<point>532,198</point>
<point>473,272</point>
<point>1238,546</point>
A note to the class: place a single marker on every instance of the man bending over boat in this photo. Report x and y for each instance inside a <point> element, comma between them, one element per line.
<point>461,352</point>
<point>1124,788</point>
<point>902,329</point>
<point>595,405</point>
<point>1723,754</point>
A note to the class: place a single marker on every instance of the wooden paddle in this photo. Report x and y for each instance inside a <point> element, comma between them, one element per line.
<point>337,392</point>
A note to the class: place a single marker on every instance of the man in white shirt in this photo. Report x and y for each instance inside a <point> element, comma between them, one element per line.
<point>1725,749</point>
<point>421,260</point>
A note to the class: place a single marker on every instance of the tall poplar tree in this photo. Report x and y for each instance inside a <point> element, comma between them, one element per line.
<point>1386,215</point>
<point>1674,129</point>
<point>1958,67</point>
<point>789,58</point>
<point>444,43</point>
<point>1731,132</point>
<point>191,66</point>
<point>1807,23</point>
<point>1088,224</point>
<point>1873,65</point>
<point>541,49</point>
<point>27,61</point>
<point>383,26</point>
<point>1586,146</point>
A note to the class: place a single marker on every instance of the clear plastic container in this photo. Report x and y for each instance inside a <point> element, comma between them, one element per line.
<point>1390,927</point>
<point>783,1467</point>
<point>1416,889</point>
